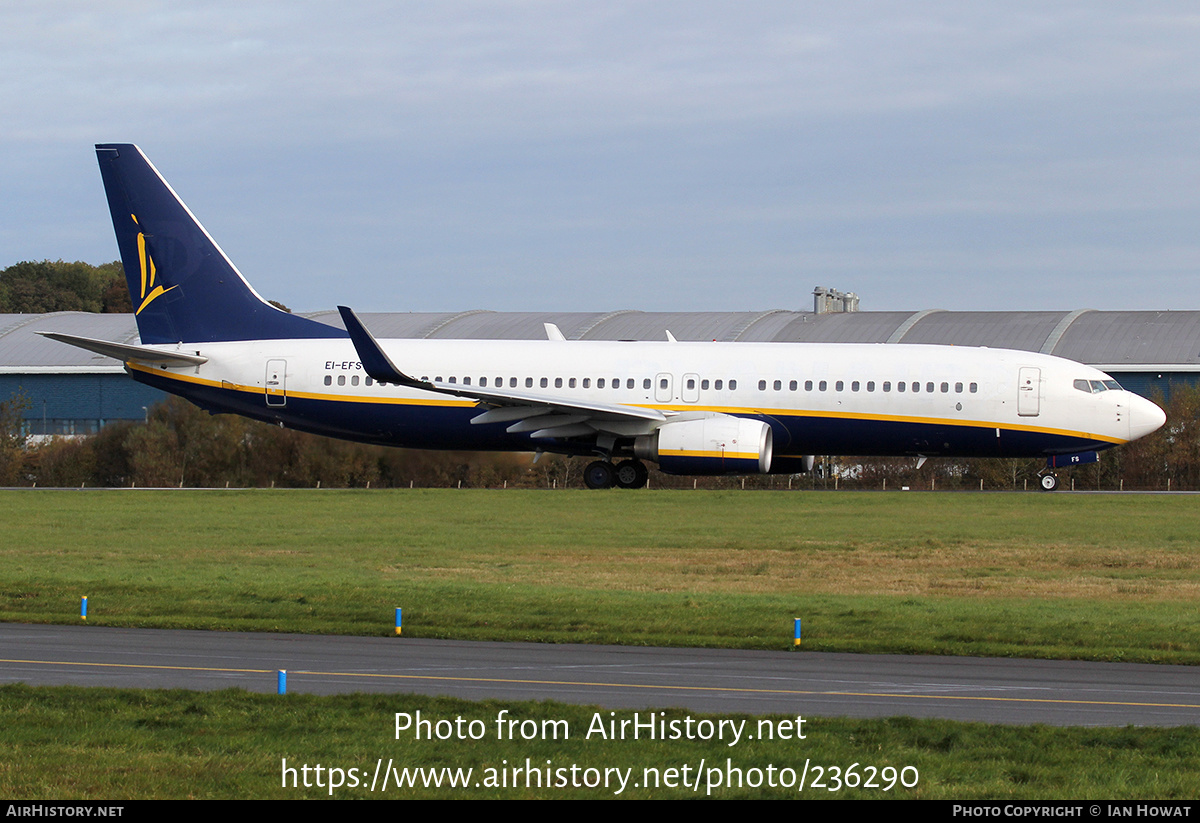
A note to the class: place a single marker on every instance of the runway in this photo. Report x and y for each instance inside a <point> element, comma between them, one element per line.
<point>991,690</point>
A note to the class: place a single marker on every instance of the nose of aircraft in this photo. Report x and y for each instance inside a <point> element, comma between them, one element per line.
<point>1144,417</point>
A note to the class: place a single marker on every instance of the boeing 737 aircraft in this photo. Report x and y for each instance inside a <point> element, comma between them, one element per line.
<point>692,408</point>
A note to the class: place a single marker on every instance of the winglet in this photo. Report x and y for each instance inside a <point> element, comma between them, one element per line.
<point>553,332</point>
<point>376,363</point>
<point>671,337</point>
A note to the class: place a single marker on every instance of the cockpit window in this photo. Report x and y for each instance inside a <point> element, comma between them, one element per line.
<point>1097,386</point>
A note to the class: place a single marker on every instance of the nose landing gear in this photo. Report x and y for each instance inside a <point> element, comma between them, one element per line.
<point>1048,482</point>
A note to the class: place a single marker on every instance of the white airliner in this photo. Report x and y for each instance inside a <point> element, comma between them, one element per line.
<point>692,408</point>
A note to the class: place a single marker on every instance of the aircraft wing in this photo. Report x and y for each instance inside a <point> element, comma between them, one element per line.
<point>544,416</point>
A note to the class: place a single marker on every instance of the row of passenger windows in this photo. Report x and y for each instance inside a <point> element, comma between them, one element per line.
<point>717,385</point>
<point>544,382</point>
<point>855,385</point>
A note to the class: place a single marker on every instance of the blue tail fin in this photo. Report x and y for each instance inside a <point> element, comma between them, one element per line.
<point>184,288</point>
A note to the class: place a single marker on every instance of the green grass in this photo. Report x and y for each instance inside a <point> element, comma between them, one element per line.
<point>109,744</point>
<point>1034,575</point>
<point>1090,577</point>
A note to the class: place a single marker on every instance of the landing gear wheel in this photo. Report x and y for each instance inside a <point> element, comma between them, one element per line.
<point>1049,482</point>
<point>599,474</point>
<point>632,474</point>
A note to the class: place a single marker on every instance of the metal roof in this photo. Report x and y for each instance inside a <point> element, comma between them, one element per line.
<point>22,351</point>
<point>1106,339</point>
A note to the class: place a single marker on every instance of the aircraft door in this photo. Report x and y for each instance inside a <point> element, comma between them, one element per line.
<point>691,388</point>
<point>1028,392</point>
<point>662,388</point>
<point>276,383</point>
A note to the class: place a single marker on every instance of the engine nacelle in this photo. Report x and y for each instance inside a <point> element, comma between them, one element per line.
<point>711,445</point>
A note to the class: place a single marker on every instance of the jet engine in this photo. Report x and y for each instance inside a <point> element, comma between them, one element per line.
<point>711,445</point>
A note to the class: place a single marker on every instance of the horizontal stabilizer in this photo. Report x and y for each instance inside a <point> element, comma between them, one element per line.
<point>125,352</point>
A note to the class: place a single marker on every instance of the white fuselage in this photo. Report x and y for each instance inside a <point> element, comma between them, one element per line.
<point>847,399</point>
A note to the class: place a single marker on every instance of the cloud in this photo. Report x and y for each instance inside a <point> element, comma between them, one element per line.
<point>520,143</point>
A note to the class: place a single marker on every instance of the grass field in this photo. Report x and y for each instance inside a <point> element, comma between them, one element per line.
<point>1084,576</point>
<point>1106,577</point>
<point>110,744</point>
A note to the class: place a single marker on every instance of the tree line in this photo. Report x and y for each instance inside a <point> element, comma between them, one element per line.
<point>54,285</point>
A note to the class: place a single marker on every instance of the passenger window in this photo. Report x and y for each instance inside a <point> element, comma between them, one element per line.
<point>529,382</point>
<point>587,382</point>
<point>691,383</point>
<point>854,386</point>
<point>762,385</point>
<point>929,387</point>
<point>354,380</point>
<point>887,386</point>
<point>558,382</point>
<point>822,385</point>
<point>839,385</point>
<point>916,387</point>
<point>945,388</point>
<point>646,384</point>
<point>732,385</point>
<point>704,385</point>
<point>329,380</point>
<point>371,382</point>
<point>544,382</point>
<point>600,382</point>
<point>900,385</point>
<point>808,385</point>
<point>616,382</point>
<point>870,385</point>
<point>629,383</point>
<point>792,385</point>
<point>466,381</point>
<point>958,387</point>
<point>512,382</point>
<point>717,385</point>
<point>453,379</point>
<point>483,382</point>
<point>778,385</point>
<point>974,388</point>
<point>571,383</point>
<point>341,379</point>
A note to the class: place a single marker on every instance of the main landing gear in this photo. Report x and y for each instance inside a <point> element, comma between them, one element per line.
<point>628,474</point>
<point>1049,482</point>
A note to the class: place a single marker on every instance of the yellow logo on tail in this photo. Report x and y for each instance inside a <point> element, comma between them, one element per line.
<point>148,272</point>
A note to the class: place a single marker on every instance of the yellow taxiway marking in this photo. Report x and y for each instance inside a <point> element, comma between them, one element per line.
<point>729,689</point>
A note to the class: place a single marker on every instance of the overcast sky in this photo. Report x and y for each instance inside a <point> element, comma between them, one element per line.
<point>439,156</point>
